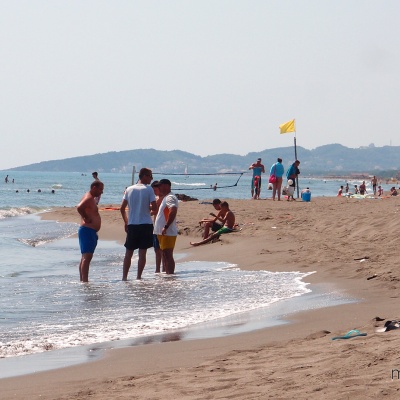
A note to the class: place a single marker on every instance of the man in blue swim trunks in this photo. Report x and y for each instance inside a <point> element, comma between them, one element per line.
<point>90,225</point>
<point>257,168</point>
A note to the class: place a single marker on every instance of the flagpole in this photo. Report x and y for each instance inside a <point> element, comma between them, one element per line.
<point>286,128</point>
<point>295,158</point>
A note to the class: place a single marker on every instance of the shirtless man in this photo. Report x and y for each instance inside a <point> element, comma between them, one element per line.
<point>363,188</point>
<point>90,225</point>
<point>228,221</point>
<point>374,182</point>
<point>213,223</point>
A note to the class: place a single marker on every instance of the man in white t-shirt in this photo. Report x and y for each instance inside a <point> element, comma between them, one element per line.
<point>140,200</point>
<point>165,224</point>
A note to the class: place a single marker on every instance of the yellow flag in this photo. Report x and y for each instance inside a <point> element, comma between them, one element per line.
<point>287,127</point>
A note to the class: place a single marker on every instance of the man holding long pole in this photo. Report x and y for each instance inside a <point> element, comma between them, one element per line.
<point>292,174</point>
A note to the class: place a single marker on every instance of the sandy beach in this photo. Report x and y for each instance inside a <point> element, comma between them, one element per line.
<point>351,244</point>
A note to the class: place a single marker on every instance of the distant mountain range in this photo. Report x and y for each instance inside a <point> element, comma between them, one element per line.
<point>333,159</point>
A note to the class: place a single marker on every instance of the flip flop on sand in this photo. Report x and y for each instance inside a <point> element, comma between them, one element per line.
<point>350,334</point>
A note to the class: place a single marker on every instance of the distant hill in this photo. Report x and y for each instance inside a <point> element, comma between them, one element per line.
<point>333,159</point>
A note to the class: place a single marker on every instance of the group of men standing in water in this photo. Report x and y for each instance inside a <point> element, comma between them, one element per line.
<point>138,205</point>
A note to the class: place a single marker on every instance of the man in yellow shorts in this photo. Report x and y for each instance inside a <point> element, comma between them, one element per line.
<point>165,224</point>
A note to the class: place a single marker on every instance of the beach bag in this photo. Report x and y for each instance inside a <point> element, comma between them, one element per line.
<point>272,178</point>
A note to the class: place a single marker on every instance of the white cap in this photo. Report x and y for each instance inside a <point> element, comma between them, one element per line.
<point>290,182</point>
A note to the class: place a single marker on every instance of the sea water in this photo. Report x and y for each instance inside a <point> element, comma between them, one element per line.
<point>34,189</point>
<point>44,306</point>
<point>45,309</point>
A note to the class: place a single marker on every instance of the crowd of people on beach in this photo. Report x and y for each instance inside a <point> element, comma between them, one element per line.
<point>277,173</point>
<point>362,189</point>
<point>149,211</point>
<point>275,180</point>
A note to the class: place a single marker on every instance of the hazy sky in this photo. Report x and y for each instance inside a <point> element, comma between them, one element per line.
<point>204,76</point>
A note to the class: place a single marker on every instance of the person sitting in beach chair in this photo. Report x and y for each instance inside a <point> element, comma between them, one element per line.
<point>228,227</point>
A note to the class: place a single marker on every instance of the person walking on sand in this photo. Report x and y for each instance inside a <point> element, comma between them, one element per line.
<point>165,225</point>
<point>89,226</point>
<point>277,170</point>
<point>257,168</point>
<point>141,201</point>
<point>229,224</point>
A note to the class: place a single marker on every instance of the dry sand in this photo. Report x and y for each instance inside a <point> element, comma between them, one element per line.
<point>350,243</point>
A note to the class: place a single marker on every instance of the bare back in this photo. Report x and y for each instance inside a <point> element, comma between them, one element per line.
<point>229,219</point>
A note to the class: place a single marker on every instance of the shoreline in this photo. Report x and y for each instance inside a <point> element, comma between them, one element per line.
<point>274,315</point>
<point>286,236</point>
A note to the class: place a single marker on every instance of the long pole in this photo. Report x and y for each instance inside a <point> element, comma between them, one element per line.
<point>295,158</point>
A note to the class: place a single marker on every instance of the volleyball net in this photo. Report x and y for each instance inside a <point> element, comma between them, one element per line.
<point>211,187</point>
